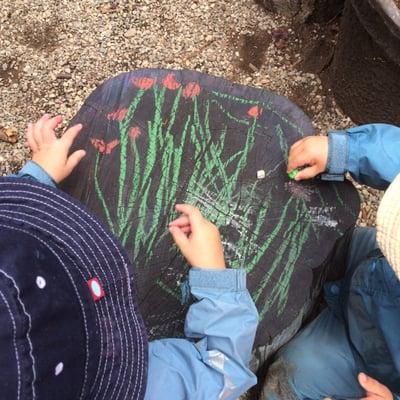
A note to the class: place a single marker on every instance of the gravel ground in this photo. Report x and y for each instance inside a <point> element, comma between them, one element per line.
<point>53,53</point>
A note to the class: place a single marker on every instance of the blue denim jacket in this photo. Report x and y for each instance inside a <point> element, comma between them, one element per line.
<point>369,299</point>
<point>213,361</point>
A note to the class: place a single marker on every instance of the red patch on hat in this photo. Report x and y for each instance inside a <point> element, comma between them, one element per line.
<point>96,289</point>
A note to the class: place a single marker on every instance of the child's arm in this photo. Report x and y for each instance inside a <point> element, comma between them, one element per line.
<point>212,363</point>
<point>50,162</point>
<point>371,153</point>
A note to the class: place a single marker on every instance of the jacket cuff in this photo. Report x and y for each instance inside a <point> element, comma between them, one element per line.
<point>229,280</point>
<point>337,157</point>
<point>337,153</point>
<point>33,170</point>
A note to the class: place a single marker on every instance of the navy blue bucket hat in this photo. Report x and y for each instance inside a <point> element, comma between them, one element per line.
<point>69,322</point>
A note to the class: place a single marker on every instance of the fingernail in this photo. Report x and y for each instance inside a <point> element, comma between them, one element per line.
<point>363,377</point>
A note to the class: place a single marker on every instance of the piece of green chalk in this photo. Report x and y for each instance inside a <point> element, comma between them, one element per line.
<point>292,174</point>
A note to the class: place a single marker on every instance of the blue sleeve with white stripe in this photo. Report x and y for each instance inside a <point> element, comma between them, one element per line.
<point>213,361</point>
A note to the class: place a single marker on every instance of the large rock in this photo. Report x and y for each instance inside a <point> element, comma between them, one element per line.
<point>155,138</point>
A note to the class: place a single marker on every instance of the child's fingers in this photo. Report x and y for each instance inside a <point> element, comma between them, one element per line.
<point>70,135</point>
<point>192,213</point>
<point>181,221</point>
<point>307,173</point>
<point>180,239</point>
<point>297,161</point>
<point>186,229</point>
<point>74,159</point>
<point>49,127</point>
<point>40,123</point>
<point>52,123</point>
<point>373,387</point>
<point>30,139</point>
<point>37,129</point>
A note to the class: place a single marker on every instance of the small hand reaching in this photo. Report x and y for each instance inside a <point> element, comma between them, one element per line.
<point>311,153</point>
<point>374,390</point>
<point>197,238</point>
<point>50,152</point>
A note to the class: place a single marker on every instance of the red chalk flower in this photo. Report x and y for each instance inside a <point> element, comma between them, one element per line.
<point>134,132</point>
<point>192,89</point>
<point>102,147</point>
<point>143,83</point>
<point>254,112</point>
<point>118,115</point>
<point>170,83</point>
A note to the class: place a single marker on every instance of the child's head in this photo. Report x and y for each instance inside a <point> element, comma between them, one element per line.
<point>388,224</point>
<point>69,324</point>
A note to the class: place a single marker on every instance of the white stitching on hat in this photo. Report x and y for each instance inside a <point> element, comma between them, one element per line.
<point>82,263</point>
<point>114,308</point>
<point>116,286</point>
<point>40,282</point>
<point>59,368</point>
<point>68,273</point>
<point>14,342</point>
<point>66,270</point>
<point>137,325</point>
<point>27,333</point>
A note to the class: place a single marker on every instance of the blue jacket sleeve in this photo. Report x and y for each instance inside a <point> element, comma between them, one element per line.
<point>32,170</point>
<point>213,362</point>
<point>371,153</point>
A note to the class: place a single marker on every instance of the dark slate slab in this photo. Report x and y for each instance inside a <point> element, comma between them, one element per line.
<point>157,137</point>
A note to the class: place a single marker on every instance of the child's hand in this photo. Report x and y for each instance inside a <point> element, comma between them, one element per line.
<point>52,153</point>
<point>311,153</point>
<point>197,238</point>
<point>374,390</point>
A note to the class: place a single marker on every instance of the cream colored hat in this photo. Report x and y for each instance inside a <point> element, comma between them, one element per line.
<point>388,224</point>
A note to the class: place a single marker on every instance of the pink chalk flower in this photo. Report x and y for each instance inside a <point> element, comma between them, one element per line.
<point>103,147</point>
<point>118,115</point>
<point>134,132</point>
<point>254,112</point>
<point>192,89</point>
<point>143,83</point>
<point>170,83</point>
